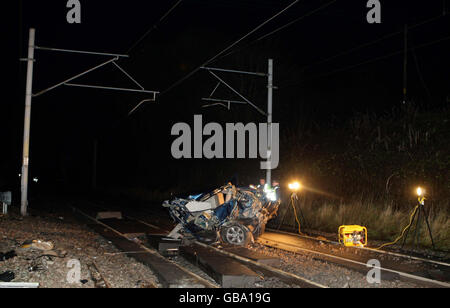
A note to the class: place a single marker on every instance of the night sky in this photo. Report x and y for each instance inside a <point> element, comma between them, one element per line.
<point>135,150</point>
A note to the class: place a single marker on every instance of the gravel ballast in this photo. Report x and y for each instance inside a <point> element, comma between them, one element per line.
<point>307,265</point>
<point>72,242</point>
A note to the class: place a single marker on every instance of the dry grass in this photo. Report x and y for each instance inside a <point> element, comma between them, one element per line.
<point>380,158</point>
<point>383,223</point>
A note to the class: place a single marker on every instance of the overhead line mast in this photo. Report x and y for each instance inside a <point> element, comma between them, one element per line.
<point>228,48</point>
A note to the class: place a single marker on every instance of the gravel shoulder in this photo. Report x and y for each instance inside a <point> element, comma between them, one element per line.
<point>72,242</point>
<point>326,273</point>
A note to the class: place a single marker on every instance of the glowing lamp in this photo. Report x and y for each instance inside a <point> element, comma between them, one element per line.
<point>271,195</point>
<point>295,186</point>
<point>420,191</point>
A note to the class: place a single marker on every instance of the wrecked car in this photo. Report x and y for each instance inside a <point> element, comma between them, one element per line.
<point>229,214</point>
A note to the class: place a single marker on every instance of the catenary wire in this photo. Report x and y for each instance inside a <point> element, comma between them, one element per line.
<point>227,48</point>
<point>280,28</point>
<point>154,27</point>
<point>368,61</point>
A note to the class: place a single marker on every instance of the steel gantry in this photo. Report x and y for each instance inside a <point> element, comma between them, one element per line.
<point>68,82</point>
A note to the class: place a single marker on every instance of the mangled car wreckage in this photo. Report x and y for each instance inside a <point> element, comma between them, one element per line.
<point>232,215</point>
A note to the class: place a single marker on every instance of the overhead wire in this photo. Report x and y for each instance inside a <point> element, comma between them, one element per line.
<point>281,28</point>
<point>366,62</point>
<point>154,26</point>
<point>135,108</point>
<point>227,48</point>
<point>389,35</point>
<point>220,54</point>
<point>216,57</point>
<point>419,72</point>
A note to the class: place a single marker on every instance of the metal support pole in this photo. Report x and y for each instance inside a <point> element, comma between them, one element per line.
<point>305,224</point>
<point>284,215</point>
<point>26,130</point>
<point>269,123</point>
<point>428,225</point>
<point>417,230</point>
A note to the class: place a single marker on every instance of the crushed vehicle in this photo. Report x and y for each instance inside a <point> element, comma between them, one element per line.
<point>229,214</point>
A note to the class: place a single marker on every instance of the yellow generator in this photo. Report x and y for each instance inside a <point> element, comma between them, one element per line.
<point>353,236</point>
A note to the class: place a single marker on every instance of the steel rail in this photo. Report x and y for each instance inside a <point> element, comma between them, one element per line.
<point>363,248</point>
<point>151,251</point>
<point>274,270</point>
<point>291,247</point>
<point>296,249</point>
<point>126,216</point>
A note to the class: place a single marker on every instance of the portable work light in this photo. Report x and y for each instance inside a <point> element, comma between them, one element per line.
<point>420,191</point>
<point>419,212</point>
<point>295,186</point>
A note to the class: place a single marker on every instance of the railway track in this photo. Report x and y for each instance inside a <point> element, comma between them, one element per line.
<point>175,276</point>
<point>226,267</point>
<point>375,251</point>
<point>420,271</point>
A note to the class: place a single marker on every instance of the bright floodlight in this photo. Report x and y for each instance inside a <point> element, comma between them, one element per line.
<point>271,195</point>
<point>419,191</point>
<point>294,186</point>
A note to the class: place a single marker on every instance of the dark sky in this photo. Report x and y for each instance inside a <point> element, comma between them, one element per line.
<point>137,148</point>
